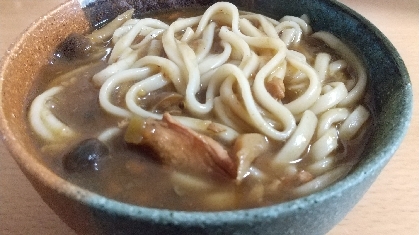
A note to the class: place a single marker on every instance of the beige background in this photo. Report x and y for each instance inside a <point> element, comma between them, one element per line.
<point>391,206</point>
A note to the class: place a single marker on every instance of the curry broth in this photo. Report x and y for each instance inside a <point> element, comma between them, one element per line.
<point>129,174</point>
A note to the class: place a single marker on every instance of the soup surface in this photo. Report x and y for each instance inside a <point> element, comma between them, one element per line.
<point>221,111</point>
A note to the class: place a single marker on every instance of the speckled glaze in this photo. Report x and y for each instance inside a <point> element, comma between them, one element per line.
<point>89,213</point>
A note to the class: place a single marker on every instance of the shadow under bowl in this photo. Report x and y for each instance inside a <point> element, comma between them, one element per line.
<point>87,212</point>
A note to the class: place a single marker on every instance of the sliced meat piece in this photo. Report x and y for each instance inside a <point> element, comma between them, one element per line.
<point>246,148</point>
<point>185,149</point>
<point>276,88</point>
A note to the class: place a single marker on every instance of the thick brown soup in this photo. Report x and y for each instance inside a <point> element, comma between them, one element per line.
<point>201,136</point>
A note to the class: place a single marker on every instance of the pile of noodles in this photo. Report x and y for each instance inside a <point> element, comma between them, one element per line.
<point>227,57</point>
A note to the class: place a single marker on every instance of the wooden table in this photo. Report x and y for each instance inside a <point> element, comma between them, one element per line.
<point>391,206</point>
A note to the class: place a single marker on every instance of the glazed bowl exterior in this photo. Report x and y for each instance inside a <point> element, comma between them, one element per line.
<point>89,213</point>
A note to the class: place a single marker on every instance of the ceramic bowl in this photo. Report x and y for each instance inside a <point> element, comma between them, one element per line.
<point>87,212</point>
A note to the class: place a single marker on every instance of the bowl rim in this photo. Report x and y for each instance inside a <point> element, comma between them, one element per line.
<point>52,180</point>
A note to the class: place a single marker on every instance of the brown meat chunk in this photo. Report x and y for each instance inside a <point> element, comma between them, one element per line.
<point>185,149</point>
<point>276,88</point>
<point>304,177</point>
<point>301,177</point>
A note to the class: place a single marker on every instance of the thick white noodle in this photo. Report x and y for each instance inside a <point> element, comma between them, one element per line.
<point>327,119</point>
<point>299,140</point>
<point>213,61</point>
<point>331,98</point>
<point>170,42</point>
<point>106,135</point>
<point>121,65</point>
<point>321,181</point>
<point>249,29</point>
<point>145,86</point>
<point>336,66</point>
<point>207,38</point>
<point>167,67</point>
<point>109,86</point>
<point>301,22</point>
<point>226,116</point>
<point>350,127</point>
<point>152,35</point>
<point>227,135</point>
<point>321,65</point>
<point>291,32</point>
<point>356,93</point>
<point>309,97</point>
<point>156,48</point>
<point>44,123</point>
<point>126,40</point>
<point>322,166</point>
<point>325,144</point>
<point>251,115</point>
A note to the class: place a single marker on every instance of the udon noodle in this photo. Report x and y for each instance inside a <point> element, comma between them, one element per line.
<point>231,74</point>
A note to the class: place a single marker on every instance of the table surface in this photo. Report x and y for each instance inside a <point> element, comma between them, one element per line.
<point>391,206</point>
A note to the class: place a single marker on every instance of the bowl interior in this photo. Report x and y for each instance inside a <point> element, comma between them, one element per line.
<point>388,85</point>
